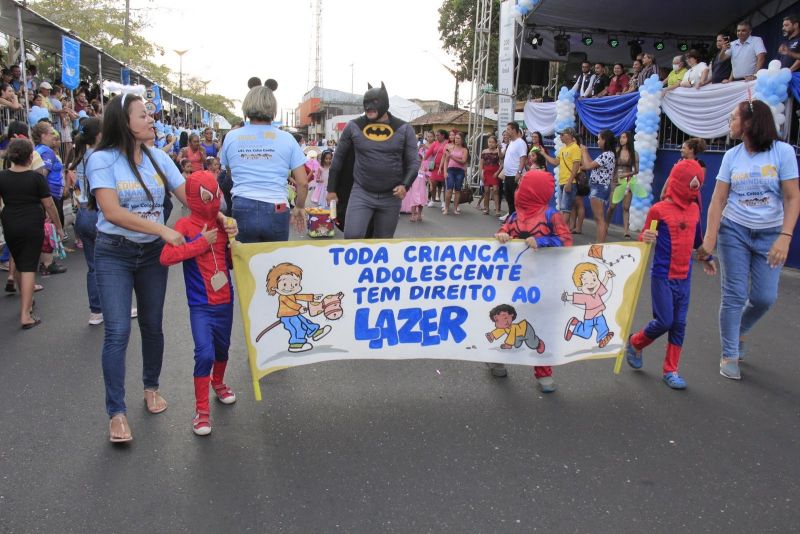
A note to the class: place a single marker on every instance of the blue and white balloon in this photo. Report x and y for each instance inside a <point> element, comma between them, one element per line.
<point>565,117</point>
<point>772,88</point>
<point>648,118</point>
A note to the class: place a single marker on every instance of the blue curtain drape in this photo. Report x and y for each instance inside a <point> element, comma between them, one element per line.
<point>795,86</point>
<point>616,113</point>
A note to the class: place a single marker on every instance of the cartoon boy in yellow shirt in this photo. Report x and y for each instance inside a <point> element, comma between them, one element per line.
<point>516,334</point>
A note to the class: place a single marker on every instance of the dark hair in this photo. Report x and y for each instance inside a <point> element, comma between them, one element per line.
<point>183,140</point>
<point>16,128</point>
<point>586,62</point>
<point>630,147</point>
<point>117,136</point>
<point>538,159</point>
<point>696,145</point>
<point>760,133</point>
<point>87,136</point>
<point>541,137</point>
<point>19,151</point>
<point>514,126</point>
<point>503,308</point>
<point>324,154</point>
<point>794,18</point>
<point>297,137</point>
<point>610,141</point>
<point>620,66</point>
<point>4,86</point>
<point>184,162</point>
<point>443,132</point>
<point>693,54</point>
<point>745,23</point>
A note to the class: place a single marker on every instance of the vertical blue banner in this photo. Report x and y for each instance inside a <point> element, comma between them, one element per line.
<point>70,62</point>
<point>125,75</point>
<point>206,118</point>
<point>157,97</point>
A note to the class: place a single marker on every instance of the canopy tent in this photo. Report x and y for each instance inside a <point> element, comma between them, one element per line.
<point>47,36</point>
<point>669,22</point>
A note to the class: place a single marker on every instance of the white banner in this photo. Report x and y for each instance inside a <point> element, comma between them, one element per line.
<point>479,300</point>
<point>540,117</point>
<point>704,112</point>
<point>505,76</point>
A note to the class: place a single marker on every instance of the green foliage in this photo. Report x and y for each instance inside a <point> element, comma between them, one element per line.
<point>457,31</point>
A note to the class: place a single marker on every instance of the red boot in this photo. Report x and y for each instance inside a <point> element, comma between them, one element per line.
<point>201,424</point>
<point>224,393</point>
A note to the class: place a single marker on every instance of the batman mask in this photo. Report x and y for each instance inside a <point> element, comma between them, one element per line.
<point>376,99</point>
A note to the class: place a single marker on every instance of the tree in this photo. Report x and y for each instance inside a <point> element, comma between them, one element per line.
<point>102,23</point>
<point>457,31</point>
<point>194,88</point>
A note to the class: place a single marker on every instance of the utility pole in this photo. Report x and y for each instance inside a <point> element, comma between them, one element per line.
<point>180,75</point>
<point>127,22</point>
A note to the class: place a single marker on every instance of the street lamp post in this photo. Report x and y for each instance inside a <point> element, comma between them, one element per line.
<point>180,72</point>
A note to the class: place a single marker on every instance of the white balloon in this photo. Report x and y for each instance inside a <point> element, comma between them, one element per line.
<point>774,66</point>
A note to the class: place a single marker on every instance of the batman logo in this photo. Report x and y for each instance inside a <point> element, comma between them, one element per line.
<point>378,132</point>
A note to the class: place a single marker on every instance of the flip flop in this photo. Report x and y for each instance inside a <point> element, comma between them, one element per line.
<point>124,430</point>
<point>10,286</point>
<point>37,288</point>
<point>36,322</point>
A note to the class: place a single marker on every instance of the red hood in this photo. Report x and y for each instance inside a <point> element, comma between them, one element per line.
<point>685,181</point>
<point>534,193</point>
<point>203,212</point>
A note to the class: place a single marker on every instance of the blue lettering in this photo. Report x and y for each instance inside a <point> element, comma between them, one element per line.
<point>428,326</point>
<point>534,295</point>
<point>408,254</point>
<point>410,316</point>
<point>520,295</point>
<point>501,255</point>
<point>367,276</point>
<point>450,324</point>
<point>335,251</point>
<point>359,291</point>
<point>515,275</point>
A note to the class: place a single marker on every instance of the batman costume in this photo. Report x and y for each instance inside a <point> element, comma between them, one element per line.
<point>372,158</point>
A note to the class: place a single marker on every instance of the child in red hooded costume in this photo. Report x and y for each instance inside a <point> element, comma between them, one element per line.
<point>540,226</point>
<point>678,233</point>
<point>206,272</point>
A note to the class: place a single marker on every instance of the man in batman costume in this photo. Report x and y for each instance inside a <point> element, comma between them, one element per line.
<point>374,165</point>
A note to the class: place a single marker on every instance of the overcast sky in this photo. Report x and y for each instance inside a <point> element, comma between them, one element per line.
<point>232,40</point>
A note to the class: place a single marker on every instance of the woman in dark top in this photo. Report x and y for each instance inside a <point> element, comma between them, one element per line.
<point>721,65</point>
<point>25,193</point>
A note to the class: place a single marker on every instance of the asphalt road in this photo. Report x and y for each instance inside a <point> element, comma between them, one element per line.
<point>406,446</point>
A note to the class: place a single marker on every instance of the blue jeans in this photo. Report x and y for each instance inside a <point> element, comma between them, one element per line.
<point>260,221</point>
<point>743,263</point>
<point>566,200</point>
<point>599,191</point>
<point>86,228</point>
<point>299,328</point>
<point>121,267</point>
<point>455,179</point>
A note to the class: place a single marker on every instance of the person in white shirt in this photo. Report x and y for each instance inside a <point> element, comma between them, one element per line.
<point>696,71</point>
<point>513,163</point>
<point>747,54</point>
<point>585,82</point>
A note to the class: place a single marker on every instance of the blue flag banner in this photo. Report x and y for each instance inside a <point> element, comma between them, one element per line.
<point>125,75</point>
<point>157,97</point>
<point>70,62</point>
<point>206,117</point>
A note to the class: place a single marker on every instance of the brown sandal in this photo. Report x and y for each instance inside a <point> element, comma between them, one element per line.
<point>118,429</point>
<point>154,401</point>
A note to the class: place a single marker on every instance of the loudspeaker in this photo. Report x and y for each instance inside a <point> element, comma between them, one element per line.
<point>573,68</point>
<point>534,72</point>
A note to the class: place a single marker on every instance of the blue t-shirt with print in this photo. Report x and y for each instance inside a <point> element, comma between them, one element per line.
<point>260,157</point>
<point>755,199</point>
<point>108,169</point>
<point>54,167</point>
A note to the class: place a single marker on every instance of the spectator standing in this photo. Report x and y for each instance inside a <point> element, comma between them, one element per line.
<point>210,146</point>
<point>697,70</point>
<point>627,168</point>
<point>789,51</point>
<point>720,69</point>
<point>514,161</point>
<point>618,82</point>
<point>600,80</point>
<point>751,218</point>
<point>585,82</point>
<point>568,160</point>
<point>633,80</point>
<point>600,179</point>
<point>435,154</point>
<point>747,53</point>
<point>677,73</point>
<point>649,68</point>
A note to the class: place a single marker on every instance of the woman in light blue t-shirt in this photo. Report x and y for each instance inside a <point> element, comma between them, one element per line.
<point>129,182</point>
<point>751,219</point>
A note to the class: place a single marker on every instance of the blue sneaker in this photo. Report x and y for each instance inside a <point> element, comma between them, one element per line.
<point>729,368</point>
<point>674,381</point>
<point>633,356</point>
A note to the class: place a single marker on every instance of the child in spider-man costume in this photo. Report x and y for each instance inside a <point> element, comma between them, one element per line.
<point>540,226</point>
<point>206,263</point>
<point>678,233</point>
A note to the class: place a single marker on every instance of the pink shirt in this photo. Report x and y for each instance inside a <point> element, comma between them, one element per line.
<point>460,153</point>
<point>593,303</point>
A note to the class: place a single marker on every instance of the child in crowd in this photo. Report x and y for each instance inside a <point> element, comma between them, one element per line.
<point>186,168</point>
<point>319,196</point>
<point>677,234</point>
<point>540,226</point>
<point>206,263</point>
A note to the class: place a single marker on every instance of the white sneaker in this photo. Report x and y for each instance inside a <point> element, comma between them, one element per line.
<point>431,203</point>
<point>95,319</point>
<point>503,218</point>
<point>134,313</point>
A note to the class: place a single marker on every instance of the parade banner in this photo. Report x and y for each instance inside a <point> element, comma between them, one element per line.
<point>459,299</point>
<point>70,62</point>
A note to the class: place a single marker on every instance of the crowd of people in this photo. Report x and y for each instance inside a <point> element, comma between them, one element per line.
<point>123,167</point>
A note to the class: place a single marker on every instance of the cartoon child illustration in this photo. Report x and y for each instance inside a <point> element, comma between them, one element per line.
<point>503,317</point>
<point>284,279</point>
<point>586,277</point>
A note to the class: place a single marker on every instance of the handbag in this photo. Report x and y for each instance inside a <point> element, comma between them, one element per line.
<point>465,196</point>
<point>582,183</point>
